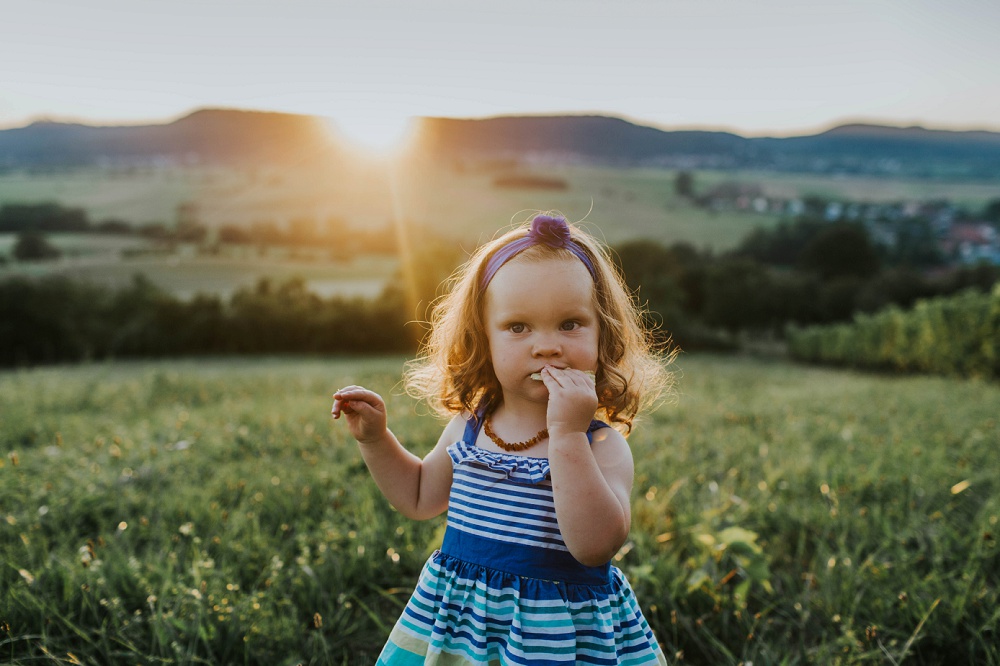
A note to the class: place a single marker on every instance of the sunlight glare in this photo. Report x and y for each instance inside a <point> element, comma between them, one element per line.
<point>378,132</point>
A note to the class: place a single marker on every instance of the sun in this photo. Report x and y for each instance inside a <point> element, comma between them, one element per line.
<point>376,132</point>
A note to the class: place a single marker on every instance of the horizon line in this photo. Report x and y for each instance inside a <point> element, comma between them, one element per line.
<point>680,127</point>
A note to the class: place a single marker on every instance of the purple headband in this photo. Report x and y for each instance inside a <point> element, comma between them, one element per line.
<point>545,230</point>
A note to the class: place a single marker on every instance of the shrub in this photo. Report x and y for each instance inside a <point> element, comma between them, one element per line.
<point>956,335</point>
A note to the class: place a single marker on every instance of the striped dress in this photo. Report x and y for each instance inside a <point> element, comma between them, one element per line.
<point>504,589</point>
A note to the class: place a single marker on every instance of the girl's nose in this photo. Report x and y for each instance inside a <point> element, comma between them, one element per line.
<point>545,346</point>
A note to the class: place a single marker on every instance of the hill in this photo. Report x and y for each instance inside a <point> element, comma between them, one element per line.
<point>856,149</point>
<point>586,138</point>
<point>207,136</point>
<point>227,137</point>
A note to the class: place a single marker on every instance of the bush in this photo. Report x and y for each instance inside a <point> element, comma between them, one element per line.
<point>33,246</point>
<point>957,335</point>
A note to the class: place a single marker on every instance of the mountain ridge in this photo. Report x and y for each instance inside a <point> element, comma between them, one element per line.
<point>248,137</point>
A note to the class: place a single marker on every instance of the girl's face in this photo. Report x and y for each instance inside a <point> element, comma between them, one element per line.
<point>540,313</point>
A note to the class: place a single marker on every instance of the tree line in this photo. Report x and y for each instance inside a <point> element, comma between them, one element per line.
<point>57,320</point>
<point>804,273</point>
<point>801,273</point>
<point>34,222</point>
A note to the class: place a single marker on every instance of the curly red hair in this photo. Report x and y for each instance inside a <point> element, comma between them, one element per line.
<point>453,371</point>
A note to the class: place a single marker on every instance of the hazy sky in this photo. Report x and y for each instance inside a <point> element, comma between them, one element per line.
<point>754,66</point>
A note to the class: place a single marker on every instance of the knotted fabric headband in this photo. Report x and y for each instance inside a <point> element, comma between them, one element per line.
<point>545,230</point>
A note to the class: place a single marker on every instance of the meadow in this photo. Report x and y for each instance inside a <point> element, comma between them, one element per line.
<point>207,511</point>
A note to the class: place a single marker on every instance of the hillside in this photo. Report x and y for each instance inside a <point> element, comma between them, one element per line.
<point>208,136</point>
<point>227,137</point>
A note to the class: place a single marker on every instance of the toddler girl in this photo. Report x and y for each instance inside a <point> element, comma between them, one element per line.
<point>536,340</point>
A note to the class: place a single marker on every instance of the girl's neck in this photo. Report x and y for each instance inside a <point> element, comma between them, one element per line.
<point>520,415</point>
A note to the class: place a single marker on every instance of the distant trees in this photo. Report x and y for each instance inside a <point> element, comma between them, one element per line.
<point>56,319</point>
<point>684,184</point>
<point>530,182</point>
<point>803,272</point>
<point>16,218</point>
<point>839,250</point>
<point>991,212</point>
<point>332,235</point>
<point>34,246</point>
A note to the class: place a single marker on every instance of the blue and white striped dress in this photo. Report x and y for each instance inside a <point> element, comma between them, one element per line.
<point>504,589</point>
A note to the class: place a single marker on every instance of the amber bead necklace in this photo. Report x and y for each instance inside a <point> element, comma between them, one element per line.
<point>513,446</point>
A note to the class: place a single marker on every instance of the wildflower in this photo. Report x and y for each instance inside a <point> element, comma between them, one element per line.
<point>186,528</point>
<point>960,486</point>
<point>26,575</point>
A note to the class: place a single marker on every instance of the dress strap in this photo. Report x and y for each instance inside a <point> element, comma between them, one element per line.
<point>472,426</point>
<point>594,426</point>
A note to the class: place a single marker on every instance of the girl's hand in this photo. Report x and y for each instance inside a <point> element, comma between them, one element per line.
<point>572,400</point>
<point>365,412</point>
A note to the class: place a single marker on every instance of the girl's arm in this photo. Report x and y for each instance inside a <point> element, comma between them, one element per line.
<point>416,488</point>
<point>591,483</point>
<point>591,486</point>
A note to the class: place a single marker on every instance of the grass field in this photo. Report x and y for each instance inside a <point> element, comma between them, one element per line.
<point>207,511</point>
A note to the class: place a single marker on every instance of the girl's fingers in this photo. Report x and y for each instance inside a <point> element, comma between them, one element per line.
<point>548,373</point>
<point>569,376</point>
<point>350,399</point>
<point>341,407</point>
<point>356,393</point>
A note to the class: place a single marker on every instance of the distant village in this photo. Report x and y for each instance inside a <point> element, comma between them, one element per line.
<point>961,237</point>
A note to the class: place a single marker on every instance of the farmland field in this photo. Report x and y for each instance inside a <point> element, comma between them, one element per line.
<point>185,273</point>
<point>208,511</point>
<point>461,203</point>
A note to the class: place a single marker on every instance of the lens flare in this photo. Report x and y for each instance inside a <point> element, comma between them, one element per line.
<point>377,133</point>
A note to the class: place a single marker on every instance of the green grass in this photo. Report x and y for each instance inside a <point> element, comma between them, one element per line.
<point>207,511</point>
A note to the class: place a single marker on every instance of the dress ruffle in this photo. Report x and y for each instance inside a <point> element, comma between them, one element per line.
<point>522,469</point>
<point>481,616</point>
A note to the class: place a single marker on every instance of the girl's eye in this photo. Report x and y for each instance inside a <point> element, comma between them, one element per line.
<point>516,328</point>
<point>569,325</point>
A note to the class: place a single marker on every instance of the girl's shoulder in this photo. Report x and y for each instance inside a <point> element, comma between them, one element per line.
<point>455,429</point>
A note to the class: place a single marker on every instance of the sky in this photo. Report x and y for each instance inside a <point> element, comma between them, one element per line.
<point>756,67</point>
